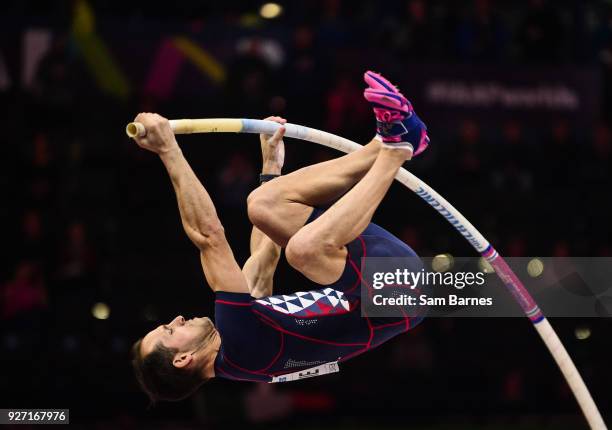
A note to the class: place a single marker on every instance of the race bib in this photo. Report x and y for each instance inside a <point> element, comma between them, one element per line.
<point>322,369</point>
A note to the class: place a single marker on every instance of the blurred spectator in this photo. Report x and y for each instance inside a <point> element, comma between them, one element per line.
<point>597,162</point>
<point>33,244</point>
<point>512,167</point>
<point>269,51</point>
<point>236,180</point>
<point>514,386</point>
<point>481,35</point>
<point>558,156</point>
<point>304,77</point>
<point>516,247</point>
<point>409,32</point>
<point>541,34</point>
<point>345,107</point>
<point>303,53</point>
<point>25,292</point>
<point>333,22</point>
<point>76,255</point>
<point>413,356</point>
<point>411,236</point>
<point>603,42</point>
<point>561,248</point>
<point>467,155</point>
<point>41,171</point>
<point>249,86</point>
<point>53,80</point>
<point>264,403</point>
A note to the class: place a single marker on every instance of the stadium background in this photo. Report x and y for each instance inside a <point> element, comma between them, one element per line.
<point>87,218</point>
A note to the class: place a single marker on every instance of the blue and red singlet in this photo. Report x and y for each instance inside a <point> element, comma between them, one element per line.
<point>283,334</point>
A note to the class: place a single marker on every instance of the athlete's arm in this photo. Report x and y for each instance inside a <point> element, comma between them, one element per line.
<point>260,267</point>
<point>197,210</point>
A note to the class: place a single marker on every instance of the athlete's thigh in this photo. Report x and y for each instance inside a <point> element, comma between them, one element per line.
<point>284,221</point>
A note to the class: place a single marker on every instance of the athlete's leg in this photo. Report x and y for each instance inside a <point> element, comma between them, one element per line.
<point>317,249</point>
<point>280,207</point>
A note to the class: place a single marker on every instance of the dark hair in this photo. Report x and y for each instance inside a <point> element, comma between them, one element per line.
<point>159,378</point>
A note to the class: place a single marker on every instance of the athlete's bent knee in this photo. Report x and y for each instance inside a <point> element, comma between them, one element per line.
<point>304,251</point>
<point>258,213</point>
<point>300,252</point>
<point>259,206</point>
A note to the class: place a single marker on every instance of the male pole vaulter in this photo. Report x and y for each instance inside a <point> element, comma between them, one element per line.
<point>258,336</point>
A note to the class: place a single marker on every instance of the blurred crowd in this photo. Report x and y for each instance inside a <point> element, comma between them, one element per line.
<point>90,218</point>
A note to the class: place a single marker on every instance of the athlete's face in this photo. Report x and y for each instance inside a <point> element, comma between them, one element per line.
<point>181,334</point>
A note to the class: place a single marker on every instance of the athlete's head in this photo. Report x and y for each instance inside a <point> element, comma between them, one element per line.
<point>170,362</point>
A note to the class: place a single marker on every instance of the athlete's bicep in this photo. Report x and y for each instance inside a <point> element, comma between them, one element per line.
<point>221,269</point>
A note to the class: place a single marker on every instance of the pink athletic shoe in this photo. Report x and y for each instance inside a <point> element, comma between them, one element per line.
<point>396,121</point>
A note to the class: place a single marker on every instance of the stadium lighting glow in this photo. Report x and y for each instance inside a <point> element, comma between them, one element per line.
<point>582,333</point>
<point>270,10</point>
<point>535,267</point>
<point>485,266</point>
<point>442,262</point>
<point>100,311</point>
